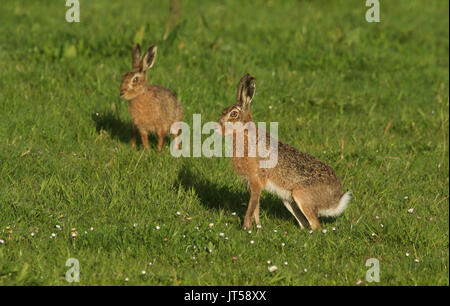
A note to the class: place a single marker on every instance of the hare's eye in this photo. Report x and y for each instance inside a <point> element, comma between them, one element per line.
<point>135,79</point>
<point>234,114</point>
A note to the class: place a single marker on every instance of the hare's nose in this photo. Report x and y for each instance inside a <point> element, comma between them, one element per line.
<point>121,93</point>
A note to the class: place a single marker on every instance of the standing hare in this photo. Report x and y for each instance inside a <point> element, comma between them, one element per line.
<point>153,108</point>
<point>308,187</point>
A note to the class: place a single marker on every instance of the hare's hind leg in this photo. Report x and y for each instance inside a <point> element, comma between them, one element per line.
<point>177,142</point>
<point>296,213</point>
<point>306,206</point>
<point>161,135</point>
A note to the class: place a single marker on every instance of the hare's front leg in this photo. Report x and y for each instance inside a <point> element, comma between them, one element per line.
<point>133,136</point>
<point>256,215</point>
<point>144,138</point>
<point>253,206</point>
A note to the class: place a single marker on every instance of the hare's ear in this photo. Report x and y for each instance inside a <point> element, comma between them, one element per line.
<point>136,56</point>
<point>246,91</point>
<point>149,58</point>
<point>241,88</point>
<point>249,92</point>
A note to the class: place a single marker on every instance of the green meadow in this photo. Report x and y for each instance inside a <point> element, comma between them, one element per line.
<point>370,99</point>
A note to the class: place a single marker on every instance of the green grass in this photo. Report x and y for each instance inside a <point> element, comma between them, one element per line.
<point>370,99</point>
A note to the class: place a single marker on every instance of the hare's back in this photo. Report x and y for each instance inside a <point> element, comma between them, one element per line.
<point>296,167</point>
<point>168,101</point>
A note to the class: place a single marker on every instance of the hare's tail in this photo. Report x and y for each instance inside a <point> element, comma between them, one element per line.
<point>337,210</point>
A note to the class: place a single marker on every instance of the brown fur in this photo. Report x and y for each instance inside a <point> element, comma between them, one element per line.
<point>153,109</point>
<point>311,184</point>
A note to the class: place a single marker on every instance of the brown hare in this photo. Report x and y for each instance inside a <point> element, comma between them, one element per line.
<point>308,187</point>
<point>152,108</point>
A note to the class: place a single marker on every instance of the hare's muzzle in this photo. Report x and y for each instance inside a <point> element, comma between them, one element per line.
<point>122,93</point>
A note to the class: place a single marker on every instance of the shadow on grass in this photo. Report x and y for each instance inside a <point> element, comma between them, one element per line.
<point>118,129</point>
<point>213,196</point>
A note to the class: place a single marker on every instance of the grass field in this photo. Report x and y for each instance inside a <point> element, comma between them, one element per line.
<point>370,99</point>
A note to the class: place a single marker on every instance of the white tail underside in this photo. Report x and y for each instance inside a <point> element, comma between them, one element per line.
<point>336,211</point>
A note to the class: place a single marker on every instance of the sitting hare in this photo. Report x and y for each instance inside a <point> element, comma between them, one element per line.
<point>153,108</point>
<point>308,187</point>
